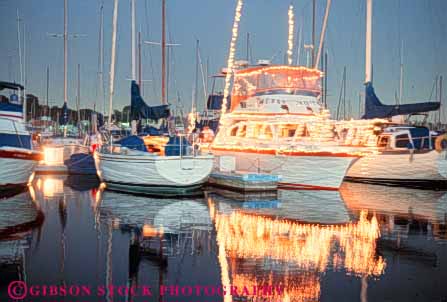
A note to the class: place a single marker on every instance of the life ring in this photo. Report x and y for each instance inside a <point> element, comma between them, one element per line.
<point>441,143</point>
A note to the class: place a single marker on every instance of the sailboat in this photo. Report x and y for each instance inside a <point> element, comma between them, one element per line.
<point>406,155</point>
<point>160,165</point>
<point>17,157</point>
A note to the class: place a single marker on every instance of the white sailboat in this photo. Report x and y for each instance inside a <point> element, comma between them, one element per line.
<point>152,165</point>
<point>406,155</point>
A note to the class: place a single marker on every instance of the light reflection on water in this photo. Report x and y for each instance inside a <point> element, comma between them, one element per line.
<point>362,243</point>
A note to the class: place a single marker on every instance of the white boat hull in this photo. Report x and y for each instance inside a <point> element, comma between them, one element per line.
<point>300,172</point>
<point>153,174</point>
<point>427,169</point>
<point>16,165</point>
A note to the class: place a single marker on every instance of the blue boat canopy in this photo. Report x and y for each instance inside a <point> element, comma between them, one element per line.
<point>132,142</point>
<point>140,110</point>
<point>375,109</point>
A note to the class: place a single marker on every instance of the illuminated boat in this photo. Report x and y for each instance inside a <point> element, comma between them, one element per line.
<point>17,157</point>
<point>277,125</point>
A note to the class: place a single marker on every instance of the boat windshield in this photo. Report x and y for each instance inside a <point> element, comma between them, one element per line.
<point>277,79</point>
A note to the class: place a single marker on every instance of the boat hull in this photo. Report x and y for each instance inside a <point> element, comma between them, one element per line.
<point>16,166</point>
<point>426,170</point>
<point>296,171</point>
<point>149,174</point>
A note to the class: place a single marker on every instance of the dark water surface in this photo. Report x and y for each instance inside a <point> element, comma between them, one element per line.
<point>71,240</point>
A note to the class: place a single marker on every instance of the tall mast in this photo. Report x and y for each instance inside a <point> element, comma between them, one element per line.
<point>48,92</point>
<point>325,79</point>
<point>196,83</point>
<point>314,13</point>
<point>78,103</point>
<point>101,56</point>
<point>248,48</point>
<point>163,52</point>
<point>401,79</point>
<point>65,50</point>
<point>322,35</point>
<point>139,61</point>
<point>112,59</point>
<point>368,61</point>
<point>440,98</point>
<point>21,67</point>
<point>134,65</point>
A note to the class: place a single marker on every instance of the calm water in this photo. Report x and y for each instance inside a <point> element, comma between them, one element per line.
<point>363,243</point>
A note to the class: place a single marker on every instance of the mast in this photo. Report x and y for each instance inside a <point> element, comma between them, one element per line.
<point>24,73</point>
<point>196,82</point>
<point>48,91</point>
<point>440,99</point>
<point>65,50</point>
<point>78,101</point>
<point>21,66</point>
<point>133,63</point>
<point>101,56</point>
<point>368,61</point>
<point>248,48</point>
<point>401,79</point>
<point>314,12</point>
<point>323,33</point>
<point>325,79</point>
<point>139,61</point>
<point>163,52</point>
<point>112,60</point>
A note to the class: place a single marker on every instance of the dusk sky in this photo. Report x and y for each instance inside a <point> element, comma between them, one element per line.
<point>420,24</point>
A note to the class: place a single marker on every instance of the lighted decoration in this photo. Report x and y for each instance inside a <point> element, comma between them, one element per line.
<point>53,155</point>
<point>151,231</point>
<point>230,62</point>
<point>192,121</point>
<point>290,39</point>
<point>310,247</point>
<point>53,187</point>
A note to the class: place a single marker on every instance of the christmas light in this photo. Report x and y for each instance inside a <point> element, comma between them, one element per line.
<point>230,62</point>
<point>290,40</point>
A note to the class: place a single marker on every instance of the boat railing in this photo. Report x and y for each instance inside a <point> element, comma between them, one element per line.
<point>142,149</point>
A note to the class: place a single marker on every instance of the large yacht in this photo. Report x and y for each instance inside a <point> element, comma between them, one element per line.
<point>276,124</point>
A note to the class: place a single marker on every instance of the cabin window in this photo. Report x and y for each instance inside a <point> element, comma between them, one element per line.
<point>287,131</point>
<point>268,133</point>
<point>234,131</point>
<point>257,130</point>
<point>242,131</point>
<point>402,141</point>
<point>383,141</point>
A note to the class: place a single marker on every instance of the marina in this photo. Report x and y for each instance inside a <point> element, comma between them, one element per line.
<point>179,151</point>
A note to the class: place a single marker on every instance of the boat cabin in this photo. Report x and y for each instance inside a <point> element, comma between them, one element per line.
<point>406,137</point>
<point>276,90</point>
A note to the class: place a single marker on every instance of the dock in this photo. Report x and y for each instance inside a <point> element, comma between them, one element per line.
<point>244,182</point>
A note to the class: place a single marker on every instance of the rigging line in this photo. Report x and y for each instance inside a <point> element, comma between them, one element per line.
<point>205,97</point>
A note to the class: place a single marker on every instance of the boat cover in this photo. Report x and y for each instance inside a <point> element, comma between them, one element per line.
<point>140,110</point>
<point>375,109</point>
<point>132,142</point>
<point>8,85</point>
